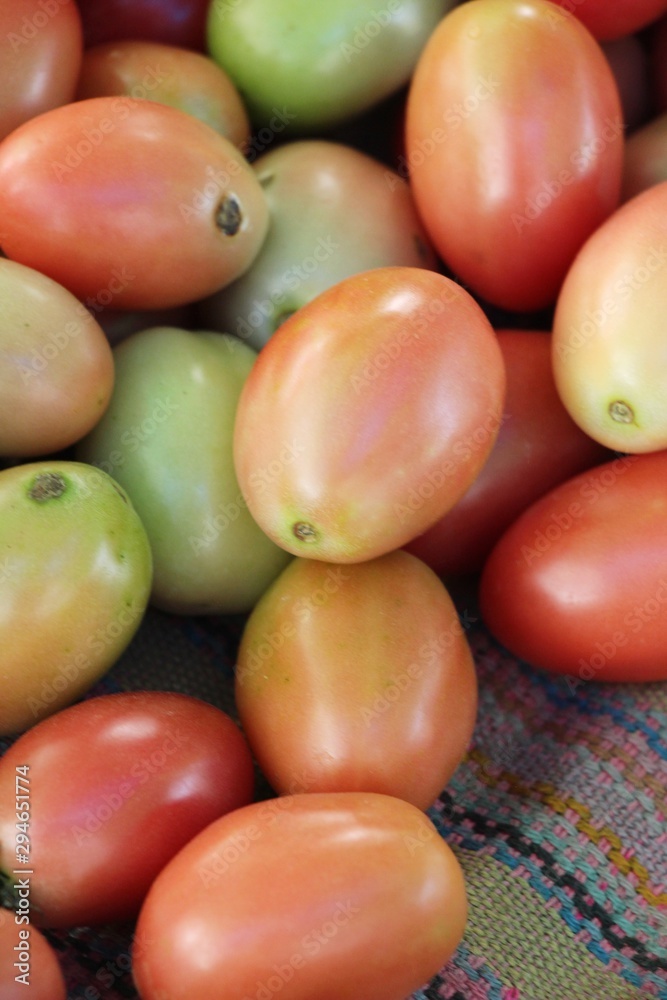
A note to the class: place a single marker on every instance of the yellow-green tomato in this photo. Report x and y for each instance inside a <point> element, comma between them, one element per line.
<point>167,438</point>
<point>334,212</point>
<point>608,346</point>
<point>310,64</point>
<point>75,577</point>
<point>56,366</point>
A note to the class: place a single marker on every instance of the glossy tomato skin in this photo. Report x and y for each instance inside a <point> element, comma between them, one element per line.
<point>29,966</point>
<point>181,225</point>
<point>172,22</point>
<point>513,161</point>
<point>538,447</point>
<point>613,20</point>
<point>334,211</point>
<point>57,373</point>
<point>118,784</point>
<point>577,585</point>
<point>368,414</point>
<point>370,684</point>
<point>608,334</point>
<point>41,58</point>
<point>76,571</point>
<point>366,900</point>
<point>169,74</point>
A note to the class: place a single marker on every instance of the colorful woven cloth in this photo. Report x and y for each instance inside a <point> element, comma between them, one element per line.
<point>558,816</point>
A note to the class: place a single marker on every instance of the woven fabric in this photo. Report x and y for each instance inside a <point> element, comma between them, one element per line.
<point>558,816</point>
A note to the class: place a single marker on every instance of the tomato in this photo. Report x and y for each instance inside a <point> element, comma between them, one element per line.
<point>612,20</point>
<point>645,162</point>
<point>320,63</point>
<point>577,585</point>
<point>335,896</point>
<point>334,212</point>
<point>167,439</point>
<point>629,62</point>
<point>116,785</point>
<point>357,678</point>
<point>609,355</point>
<point>538,447</point>
<point>172,22</point>
<point>368,414</point>
<point>133,227</point>
<point>29,966</point>
<point>57,372</point>
<point>513,160</point>
<point>75,575</point>
<point>41,58</point>
<point>169,74</point>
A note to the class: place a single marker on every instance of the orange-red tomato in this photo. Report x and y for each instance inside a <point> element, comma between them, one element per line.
<point>335,896</point>
<point>88,197</point>
<point>368,414</point>
<point>578,585</point>
<point>29,966</point>
<point>613,18</point>
<point>538,447</point>
<point>357,678</point>
<point>514,160</point>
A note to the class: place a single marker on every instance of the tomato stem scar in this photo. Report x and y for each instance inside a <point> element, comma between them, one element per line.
<point>304,532</point>
<point>47,486</point>
<point>228,215</point>
<point>621,412</point>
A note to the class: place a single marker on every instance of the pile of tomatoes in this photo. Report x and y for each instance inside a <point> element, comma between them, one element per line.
<point>309,312</point>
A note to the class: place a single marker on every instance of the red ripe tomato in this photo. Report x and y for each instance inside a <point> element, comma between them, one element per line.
<point>368,414</point>
<point>88,197</point>
<point>29,966</point>
<point>332,700</point>
<point>538,447</point>
<point>41,58</point>
<point>578,584</point>
<point>116,785</point>
<point>334,896</point>
<point>174,22</point>
<point>514,142</point>
<point>613,18</point>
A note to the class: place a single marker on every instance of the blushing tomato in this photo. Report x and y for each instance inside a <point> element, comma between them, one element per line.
<point>609,357</point>
<point>514,142</point>
<point>117,785</point>
<point>368,414</point>
<point>57,372</point>
<point>169,74</point>
<point>608,20</point>
<point>75,575</point>
<point>41,58</point>
<point>133,227</point>
<point>577,585</point>
<point>538,447</point>
<point>335,896</point>
<point>29,966</point>
<point>645,161</point>
<point>172,22</point>
<point>357,678</point>
<point>334,212</point>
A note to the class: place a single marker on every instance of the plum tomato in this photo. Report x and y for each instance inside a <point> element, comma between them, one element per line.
<point>134,228</point>
<point>577,584</point>
<point>607,20</point>
<point>538,447</point>
<point>57,372</point>
<point>514,145</point>
<point>608,347</point>
<point>357,678</point>
<point>115,786</point>
<point>368,414</point>
<point>172,22</point>
<point>29,967</point>
<point>75,575</point>
<point>338,896</point>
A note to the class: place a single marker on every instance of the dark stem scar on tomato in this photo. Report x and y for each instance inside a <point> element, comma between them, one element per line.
<point>47,486</point>
<point>228,216</point>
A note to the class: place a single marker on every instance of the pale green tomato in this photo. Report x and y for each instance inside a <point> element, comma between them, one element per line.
<point>75,577</point>
<point>334,212</point>
<point>307,65</point>
<point>167,438</point>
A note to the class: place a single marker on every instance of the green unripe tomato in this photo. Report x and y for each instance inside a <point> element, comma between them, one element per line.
<point>308,65</point>
<point>75,577</point>
<point>167,438</point>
